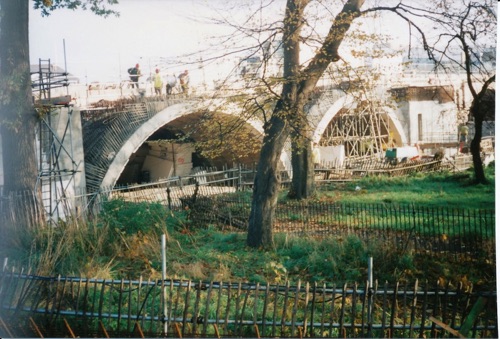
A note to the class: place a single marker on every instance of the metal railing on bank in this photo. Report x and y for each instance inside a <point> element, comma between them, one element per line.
<point>63,306</point>
<point>222,198</point>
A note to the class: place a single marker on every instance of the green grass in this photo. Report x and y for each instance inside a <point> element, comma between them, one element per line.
<point>432,190</point>
<point>124,242</point>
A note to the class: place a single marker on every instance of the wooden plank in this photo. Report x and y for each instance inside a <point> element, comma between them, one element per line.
<point>354,300</point>
<point>35,327</point>
<point>413,307</point>
<point>177,330</point>
<point>228,307</point>
<point>256,329</point>
<point>446,327</point>
<point>139,302</point>
<point>103,329</point>
<point>152,305</point>
<point>275,310</point>
<point>217,309</point>
<point>138,330</point>
<point>216,329</point>
<point>70,330</point>
<point>242,313</point>
<point>6,328</point>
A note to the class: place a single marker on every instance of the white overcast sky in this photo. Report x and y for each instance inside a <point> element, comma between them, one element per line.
<point>102,49</point>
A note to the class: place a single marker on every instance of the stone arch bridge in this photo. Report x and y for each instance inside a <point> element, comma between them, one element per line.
<point>112,135</point>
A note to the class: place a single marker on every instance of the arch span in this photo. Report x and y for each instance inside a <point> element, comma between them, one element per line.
<point>141,135</point>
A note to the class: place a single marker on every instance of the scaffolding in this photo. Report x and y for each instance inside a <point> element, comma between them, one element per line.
<point>363,130</point>
<point>56,164</point>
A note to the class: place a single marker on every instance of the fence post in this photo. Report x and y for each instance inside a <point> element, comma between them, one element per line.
<point>370,296</point>
<point>163,277</point>
<point>238,188</point>
<point>169,198</point>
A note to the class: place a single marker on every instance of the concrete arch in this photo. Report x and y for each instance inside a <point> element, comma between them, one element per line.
<point>133,143</point>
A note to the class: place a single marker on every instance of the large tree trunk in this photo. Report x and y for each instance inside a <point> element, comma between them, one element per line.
<point>303,168</point>
<point>17,114</point>
<point>475,145</point>
<point>289,113</point>
<point>267,183</point>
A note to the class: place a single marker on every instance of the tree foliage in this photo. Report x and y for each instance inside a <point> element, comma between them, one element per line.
<point>99,7</point>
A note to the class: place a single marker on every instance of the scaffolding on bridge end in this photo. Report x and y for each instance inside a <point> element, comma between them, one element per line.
<point>55,176</point>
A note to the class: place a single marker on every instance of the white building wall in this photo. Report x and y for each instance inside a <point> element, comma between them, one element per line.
<point>439,122</point>
<point>166,160</point>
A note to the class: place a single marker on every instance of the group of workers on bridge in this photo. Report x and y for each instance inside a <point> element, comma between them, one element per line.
<point>158,81</point>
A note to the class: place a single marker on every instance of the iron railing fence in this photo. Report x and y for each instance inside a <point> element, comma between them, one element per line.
<point>434,230</point>
<point>220,201</point>
<point>53,306</point>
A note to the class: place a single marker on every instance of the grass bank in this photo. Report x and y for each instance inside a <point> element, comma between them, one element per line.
<point>124,242</point>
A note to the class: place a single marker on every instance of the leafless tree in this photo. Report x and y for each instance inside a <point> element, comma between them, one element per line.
<point>471,27</point>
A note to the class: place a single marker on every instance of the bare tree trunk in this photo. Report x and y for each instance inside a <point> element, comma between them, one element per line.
<point>289,113</point>
<point>475,145</point>
<point>267,183</point>
<point>303,168</point>
<point>17,115</point>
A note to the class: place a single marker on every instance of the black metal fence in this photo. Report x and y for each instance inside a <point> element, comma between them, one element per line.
<point>431,229</point>
<point>221,200</point>
<point>59,307</point>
